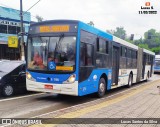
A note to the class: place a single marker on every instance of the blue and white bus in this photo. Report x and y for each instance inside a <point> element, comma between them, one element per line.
<point>157,64</point>
<point>74,58</point>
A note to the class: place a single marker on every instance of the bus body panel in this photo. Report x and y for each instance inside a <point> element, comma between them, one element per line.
<point>156,69</point>
<point>68,89</point>
<point>90,85</point>
<point>124,75</point>
<point>50,78</point>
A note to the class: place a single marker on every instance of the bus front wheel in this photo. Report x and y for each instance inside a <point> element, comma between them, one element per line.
<point>101,88</point>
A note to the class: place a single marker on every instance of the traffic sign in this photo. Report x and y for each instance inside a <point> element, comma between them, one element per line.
<point>13,41</point>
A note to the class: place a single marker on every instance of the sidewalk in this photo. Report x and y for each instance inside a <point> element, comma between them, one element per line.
<point>140,102</point>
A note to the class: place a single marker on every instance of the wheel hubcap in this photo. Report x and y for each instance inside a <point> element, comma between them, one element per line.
<point>8,90</point>
<point>102,87</point>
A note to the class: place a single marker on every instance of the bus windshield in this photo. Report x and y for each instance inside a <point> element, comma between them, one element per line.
<point>52,53</point>
<point>157,62</point>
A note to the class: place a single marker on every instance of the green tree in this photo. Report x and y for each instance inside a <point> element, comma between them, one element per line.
<point>145,46</point>
<point>39,18</point>
<point>110,31</point>
<point>152,44</point>
<point>155,38</point>
<point>120,32</point>
<point>128,40</point>
<point>156,50</point>
<point>139,41</point>
<point>91,23</point>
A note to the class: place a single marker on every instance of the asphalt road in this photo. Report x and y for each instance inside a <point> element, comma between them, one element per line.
<point>31,105</point>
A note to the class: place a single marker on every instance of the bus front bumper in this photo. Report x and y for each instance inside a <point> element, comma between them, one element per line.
<point>68,89</point>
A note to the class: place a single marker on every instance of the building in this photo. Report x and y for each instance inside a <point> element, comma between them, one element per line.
<point>10,26</point>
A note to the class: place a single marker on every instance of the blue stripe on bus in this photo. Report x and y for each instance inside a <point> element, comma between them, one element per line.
<point>156,68</point>
<point>54,78</point>
<point>127,75</point>
<point>123,75</point>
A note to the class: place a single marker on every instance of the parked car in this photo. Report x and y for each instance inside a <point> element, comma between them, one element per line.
<point>12,77</point>
<point>1,60</point>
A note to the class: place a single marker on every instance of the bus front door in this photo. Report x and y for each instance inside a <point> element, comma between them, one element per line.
<point>115,65</point>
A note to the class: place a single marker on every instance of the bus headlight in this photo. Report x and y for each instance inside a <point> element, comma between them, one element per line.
<point>71,79</point>
<point>29,76</point>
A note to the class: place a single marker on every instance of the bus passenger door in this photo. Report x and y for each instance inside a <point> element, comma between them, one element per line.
<point>144,64</point>
<point>115,65</point>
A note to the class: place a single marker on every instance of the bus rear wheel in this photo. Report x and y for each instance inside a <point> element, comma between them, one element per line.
<point>130,81</point>
<point>101,88</point>
<point>147,77</point>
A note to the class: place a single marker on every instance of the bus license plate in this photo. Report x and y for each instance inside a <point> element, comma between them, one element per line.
<point>48,86</point>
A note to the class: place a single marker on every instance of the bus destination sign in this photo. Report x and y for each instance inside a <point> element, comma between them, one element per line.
<point>54,28</point>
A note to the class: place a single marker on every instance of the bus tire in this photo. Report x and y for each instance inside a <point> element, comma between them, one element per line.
<point>101,88</point>
<point>130,81</point>
<point>147,77</point>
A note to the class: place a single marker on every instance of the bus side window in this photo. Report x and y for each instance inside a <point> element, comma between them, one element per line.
<point>86,54</point>
<point>102,46</point>
<point>82,54</point>
<point>89,55</point>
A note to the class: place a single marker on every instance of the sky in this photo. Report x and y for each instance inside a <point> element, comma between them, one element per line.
<point>106,14</point>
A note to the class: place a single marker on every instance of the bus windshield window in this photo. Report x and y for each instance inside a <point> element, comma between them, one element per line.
<point>157,62</point>
<point>52,53</point>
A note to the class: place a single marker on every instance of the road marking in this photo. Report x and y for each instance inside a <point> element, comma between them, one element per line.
<point>89,109</point>
<point>14,98</point>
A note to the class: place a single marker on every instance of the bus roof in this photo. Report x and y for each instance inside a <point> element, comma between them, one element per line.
<point>123,42</point>
<point>55,21</point>
<point>149,52</point>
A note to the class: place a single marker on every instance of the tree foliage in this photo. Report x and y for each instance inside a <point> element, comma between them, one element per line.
<point>120,32</point>
<point>153,43</point>
<point>156,50</point>
<point>145,46</point>
<point>155,38</point>
<point>91,23</point>
<point>39,18</point>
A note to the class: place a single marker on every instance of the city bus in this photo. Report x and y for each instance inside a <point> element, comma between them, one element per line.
<point>73,58</point>
<point>157,64</point>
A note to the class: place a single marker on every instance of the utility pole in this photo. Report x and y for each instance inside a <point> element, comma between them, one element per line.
<point>22,32</point>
